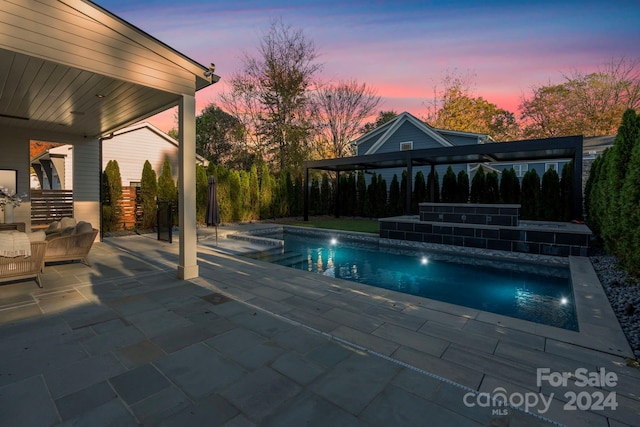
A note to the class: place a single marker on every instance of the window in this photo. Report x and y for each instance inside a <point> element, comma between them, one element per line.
<point>553,166</point>
<point>521,169</point>
<point>404,146</point>
<point>134,183</point>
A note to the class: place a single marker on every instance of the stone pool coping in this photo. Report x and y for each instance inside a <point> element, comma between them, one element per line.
<point>599,328</point>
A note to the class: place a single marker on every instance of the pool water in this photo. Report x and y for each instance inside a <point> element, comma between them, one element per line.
<point>530,292</point>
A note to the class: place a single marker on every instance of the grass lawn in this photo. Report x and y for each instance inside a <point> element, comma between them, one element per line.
<point>346,224</point>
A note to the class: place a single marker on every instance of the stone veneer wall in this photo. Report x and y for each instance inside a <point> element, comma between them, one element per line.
<point>493,227</point>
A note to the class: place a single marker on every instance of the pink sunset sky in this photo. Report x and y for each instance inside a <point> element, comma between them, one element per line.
<point>402,49</point>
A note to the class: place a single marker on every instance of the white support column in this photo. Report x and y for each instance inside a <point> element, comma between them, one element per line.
<point>188,265</point>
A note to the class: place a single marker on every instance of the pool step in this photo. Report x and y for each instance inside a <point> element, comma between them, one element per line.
<point>283,258</point>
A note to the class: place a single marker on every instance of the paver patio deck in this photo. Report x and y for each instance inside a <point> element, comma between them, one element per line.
<point>248,343</point>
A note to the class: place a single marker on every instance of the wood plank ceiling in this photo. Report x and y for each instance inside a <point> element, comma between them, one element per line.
<point>43,95</point>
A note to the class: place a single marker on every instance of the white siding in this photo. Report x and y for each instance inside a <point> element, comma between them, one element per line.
<point>131,149</point>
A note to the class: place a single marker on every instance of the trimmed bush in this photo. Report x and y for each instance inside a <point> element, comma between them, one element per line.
<point>202,193</point>
<point>266,196</point>
<point>419,191</point>
<point>148,195</point>
<point>449,186</point>
<point>433,187</point>
<point>361,189</point>
<point>629,249</point>
<point>491,188</point>
<point>402,203</point>
<point>381,197</point>
<point>462,187</point>
<point>325,195</point>
<point>566,191</point>
<point>395,207</point>
<point>530,196</point>
<point>509,187</point>
<point>550,207</point>
<point>112,195</point>
<point>477,186</point>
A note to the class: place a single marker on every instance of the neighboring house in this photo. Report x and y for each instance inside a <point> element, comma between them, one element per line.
<point>406,132</point>
<point>133,145</point>
<point>53,168</point>
<point>130,147</point>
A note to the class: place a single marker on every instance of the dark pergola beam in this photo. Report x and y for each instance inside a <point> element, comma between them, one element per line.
<point>569,147</point>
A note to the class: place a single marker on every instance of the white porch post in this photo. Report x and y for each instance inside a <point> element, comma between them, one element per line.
<point>188,265</point>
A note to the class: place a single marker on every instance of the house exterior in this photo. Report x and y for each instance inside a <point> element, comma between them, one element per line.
<point>130,147</point>
<point>73,73</point>
<point>406,132</point>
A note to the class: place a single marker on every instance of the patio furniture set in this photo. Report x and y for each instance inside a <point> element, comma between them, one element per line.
<point>23,254</point>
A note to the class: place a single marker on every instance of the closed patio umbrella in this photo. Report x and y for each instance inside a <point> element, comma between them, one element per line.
<point>213,211</point>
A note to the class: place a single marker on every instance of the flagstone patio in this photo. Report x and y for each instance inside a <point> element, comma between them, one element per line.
<point>248,343</point>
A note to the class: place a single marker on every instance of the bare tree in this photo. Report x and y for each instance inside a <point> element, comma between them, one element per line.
<point>340,111</point>
<point>590,104</point>
<point>270,95</point>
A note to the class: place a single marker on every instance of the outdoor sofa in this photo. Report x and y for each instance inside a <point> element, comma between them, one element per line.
<point>69,241</point>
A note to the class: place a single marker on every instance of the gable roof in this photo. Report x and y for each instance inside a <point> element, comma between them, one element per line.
<point>389,128</point>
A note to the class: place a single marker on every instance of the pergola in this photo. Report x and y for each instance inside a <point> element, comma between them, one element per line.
<point>531,150</point>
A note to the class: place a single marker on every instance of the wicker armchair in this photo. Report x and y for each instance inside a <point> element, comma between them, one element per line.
<point>18,268</point>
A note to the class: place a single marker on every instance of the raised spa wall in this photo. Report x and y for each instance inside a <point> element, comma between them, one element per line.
<point>487,226</point>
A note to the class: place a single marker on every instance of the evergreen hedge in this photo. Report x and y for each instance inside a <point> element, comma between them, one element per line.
<point>491,192</point>
<point>550,207</point>
<point>478,186</point>
<point>148,195</point>
<point>530,196</point>
<point>462,187</point>
<point>449,186</point>
<point>112,194</point>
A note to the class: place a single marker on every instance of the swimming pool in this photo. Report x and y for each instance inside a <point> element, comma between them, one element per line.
<point>532,292</point>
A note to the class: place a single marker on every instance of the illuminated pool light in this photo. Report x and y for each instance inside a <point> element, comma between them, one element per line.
<point>334,241</point>
<point>564,301</point>
<point>424,260</point>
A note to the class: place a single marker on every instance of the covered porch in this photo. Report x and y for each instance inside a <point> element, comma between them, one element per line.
<point>73,73</point>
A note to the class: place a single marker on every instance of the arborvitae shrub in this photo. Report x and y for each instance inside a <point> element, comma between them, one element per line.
<point>267,185</point>
<point>394,196</point>
<point>419,191</point>
<point>148,194</point>
<point>550,196</point>
<point>530,195</point>
<point>509,187</point>
<point>433,187</point>
<point>402,203</point>
<point>566,191</point>
<point>449,186</point>
<point>167,190</point>
<point>112,194</point>
<point>381,197</point>
<point>478,186</point>
<point>361,189</point>
<point>314,196</point>
<point>370,202</point>
<point>325,195</point>
<point>254,193</point>
<point>202,187</point>
<point>462,187</point>
<point>594,176</point>
<point>491,188</point>
<point>629,249</point>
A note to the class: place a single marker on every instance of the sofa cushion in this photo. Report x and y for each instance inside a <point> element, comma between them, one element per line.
<point>54,226</point>
<point>68,231</point>
<point>37,236</point>
<point>83,227</point>
<point>67,222</point>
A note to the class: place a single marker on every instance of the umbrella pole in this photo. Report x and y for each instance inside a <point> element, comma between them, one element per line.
<point>216,235</point>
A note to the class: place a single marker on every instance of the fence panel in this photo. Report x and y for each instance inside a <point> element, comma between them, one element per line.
<point>50,205</point>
